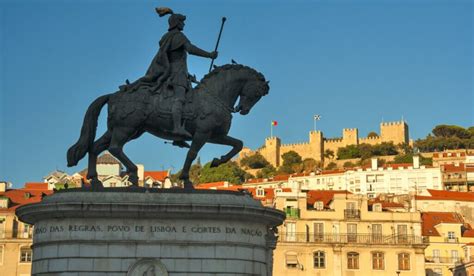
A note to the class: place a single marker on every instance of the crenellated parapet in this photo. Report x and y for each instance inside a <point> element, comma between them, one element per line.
<point>273,149</point>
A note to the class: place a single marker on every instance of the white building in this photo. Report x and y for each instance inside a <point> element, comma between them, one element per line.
<point>370,181</point>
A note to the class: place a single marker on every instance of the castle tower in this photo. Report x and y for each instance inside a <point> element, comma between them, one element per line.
<point>350,136</point>
<point>396,132</point>
<point>271,150</point>
<point>316,145</point>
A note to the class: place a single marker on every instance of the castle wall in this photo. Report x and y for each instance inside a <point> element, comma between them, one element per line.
<point>396,132</point>
<point>370,140</point>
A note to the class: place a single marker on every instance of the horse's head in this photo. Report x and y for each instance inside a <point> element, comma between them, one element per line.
<point>251,93</point>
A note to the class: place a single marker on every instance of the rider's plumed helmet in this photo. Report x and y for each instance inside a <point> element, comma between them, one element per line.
<point>174,20</point>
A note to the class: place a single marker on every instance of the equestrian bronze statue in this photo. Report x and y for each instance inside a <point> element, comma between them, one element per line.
<point>164,104</point>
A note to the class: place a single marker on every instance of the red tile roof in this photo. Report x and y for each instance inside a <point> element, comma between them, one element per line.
<point>453,167</point>
<point>213,185</point>
<point>325,196</point>
<point>386,204</point>
<point>36,186</point>
<point>469,233</point>
<point>23,196</point>
<point>447,195</point>
<point>156,175</point>
<point>431,219</point>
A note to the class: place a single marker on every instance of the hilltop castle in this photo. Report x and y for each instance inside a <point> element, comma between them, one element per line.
<point>396,132</point>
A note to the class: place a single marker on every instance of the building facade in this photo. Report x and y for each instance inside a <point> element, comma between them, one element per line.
<point>15,236</point>
<point>447,234</point>
<point>371,181</point>
<point>273,149</point>
<point>338,233</point>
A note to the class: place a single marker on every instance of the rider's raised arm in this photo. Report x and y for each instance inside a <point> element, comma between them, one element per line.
<point>193,50</point>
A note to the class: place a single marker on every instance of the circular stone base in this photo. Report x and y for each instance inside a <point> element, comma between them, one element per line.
<point>151,232</point>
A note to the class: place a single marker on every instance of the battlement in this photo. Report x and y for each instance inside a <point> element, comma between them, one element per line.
<point>349,129</point>
<point>392,123</point>
<point>274,138</point>
<point>333,140</point>
<point>295,144</point>
<point>369,138</point>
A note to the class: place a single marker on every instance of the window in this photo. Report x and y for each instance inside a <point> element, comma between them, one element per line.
<point>404,261</point>
<point>318,231</point>
<point>451,236</point>
<point>290,231</point>
<point>352,232</point>
<point>377,207</point>
<point>377,233</point>
<point>438,272</point>
<point>436,256</point>
<point>402,231</point>
<point>319,258</point>
<point>291,259</point>
<point>353,260</point>
<point>260,192</point>
<point>25,255</point>
<point>454,256</point>
<point>318,205</point>
<point>27,231</point>
<point>1,254</point>
<point>378,261</point>
<point>2,228</point>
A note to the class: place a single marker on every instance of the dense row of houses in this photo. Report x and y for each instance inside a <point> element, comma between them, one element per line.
<point>402,219</point>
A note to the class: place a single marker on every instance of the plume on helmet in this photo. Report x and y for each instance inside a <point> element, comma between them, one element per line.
<point>162,11</point>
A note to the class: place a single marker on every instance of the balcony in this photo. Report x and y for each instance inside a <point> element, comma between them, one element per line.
<point>443,260</point>
<point>451,240</point>
<point>351,214</point>
<point>292,213</point>
<point>349,238</point>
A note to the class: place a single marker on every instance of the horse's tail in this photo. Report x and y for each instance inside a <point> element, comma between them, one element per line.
<point>88,130</point>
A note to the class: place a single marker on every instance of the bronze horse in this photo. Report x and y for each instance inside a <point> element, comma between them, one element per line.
<point>207,116</point>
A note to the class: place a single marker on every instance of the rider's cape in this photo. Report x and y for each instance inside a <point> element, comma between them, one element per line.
<point>160,68</point>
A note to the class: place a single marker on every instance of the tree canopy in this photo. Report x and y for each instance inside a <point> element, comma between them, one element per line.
<point>256,161</point>
<point>365,151</point>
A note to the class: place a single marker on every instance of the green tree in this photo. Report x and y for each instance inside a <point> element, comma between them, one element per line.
<point>348,152</point>
<point>194,173</point>
<point>372,134</point>
<point>408,158</point>
<point>291,163</point>
<point>267,172</point>
<point>348,164</point>
<point>329,154</point>
<point>451,131</point>
<point>256,161</point>
<point>310,165</point>
<point>331,166</point>
<point>229,171</point>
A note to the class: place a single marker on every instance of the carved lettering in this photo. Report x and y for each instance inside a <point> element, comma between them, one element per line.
<point>163,228</point>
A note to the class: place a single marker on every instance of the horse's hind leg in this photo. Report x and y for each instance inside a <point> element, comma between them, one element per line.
<point>199,139</point>
<point>229,141</point>
<point>120,136</point>
<point>99,146</point>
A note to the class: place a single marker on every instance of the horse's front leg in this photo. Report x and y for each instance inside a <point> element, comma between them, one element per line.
<point>236,145</point>
<point>199,139</point>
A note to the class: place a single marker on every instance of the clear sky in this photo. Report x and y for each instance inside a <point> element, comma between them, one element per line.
<point>354,62</point>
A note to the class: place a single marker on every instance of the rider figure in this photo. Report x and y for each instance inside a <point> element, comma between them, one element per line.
<point>169,67</point>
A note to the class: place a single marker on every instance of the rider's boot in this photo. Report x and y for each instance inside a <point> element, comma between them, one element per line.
<point>178,128</point>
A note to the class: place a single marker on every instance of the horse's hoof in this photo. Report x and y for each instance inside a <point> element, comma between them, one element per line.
<point>96,184</point>
<point>133,179</point>
<point>215,163</point>
<point>188,185</point>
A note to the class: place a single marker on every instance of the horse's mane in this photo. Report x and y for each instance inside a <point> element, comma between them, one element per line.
<point>228,67</point>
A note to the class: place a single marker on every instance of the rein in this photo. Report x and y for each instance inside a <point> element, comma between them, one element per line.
<point>216,99</point>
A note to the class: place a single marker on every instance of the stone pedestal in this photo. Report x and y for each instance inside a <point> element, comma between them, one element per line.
<point>151,232</point>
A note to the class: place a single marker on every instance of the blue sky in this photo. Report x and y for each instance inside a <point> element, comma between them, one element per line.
<point>354,62</point>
